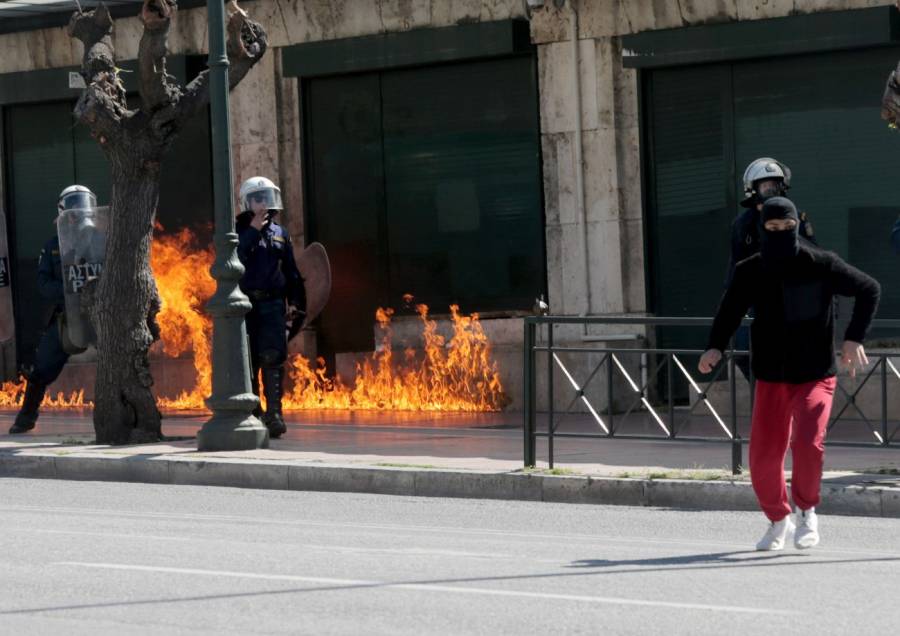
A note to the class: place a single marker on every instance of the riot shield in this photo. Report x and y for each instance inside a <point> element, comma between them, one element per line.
<point>316,271</point>
<point>82,247</point>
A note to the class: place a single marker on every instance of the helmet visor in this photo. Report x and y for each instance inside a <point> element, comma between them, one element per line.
<point>768,188</point>
<point>78,201</point>
<point>269,197</point>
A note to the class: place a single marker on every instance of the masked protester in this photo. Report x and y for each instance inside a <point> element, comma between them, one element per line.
<point>790,287</point>
<point>275,287</point>
<point>53,349</point>
<point>763,179</point>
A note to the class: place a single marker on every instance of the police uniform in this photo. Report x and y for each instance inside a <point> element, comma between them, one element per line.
<point>270,278</point>
<point>50,357</point>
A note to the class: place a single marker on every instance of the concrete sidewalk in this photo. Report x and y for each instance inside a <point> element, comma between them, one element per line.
<point>445,456</point>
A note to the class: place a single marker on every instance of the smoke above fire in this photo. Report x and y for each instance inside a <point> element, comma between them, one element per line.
<point>452,372</point>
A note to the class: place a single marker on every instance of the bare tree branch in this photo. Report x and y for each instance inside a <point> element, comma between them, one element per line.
<point>155,86</point>
<point>102,106</point>
<point>247,43</point>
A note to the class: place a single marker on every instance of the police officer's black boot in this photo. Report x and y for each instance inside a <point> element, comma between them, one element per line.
<point>25,420</point>
<point>272,381</point>
<point>254,385</point>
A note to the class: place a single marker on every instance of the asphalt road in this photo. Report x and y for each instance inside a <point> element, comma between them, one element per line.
<point>103,558</point>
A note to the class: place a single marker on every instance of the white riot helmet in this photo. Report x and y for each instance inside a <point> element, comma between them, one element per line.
<point>765,169</point>
<point>76,197</point>
<point>261,190</point>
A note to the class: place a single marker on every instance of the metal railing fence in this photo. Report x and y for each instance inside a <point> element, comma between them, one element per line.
<point>664,412</point>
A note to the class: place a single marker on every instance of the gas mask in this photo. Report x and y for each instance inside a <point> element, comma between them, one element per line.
<point>768,188</point>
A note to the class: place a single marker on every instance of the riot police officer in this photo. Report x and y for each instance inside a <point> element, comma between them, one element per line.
<point>764,179</point>
<point>275,287</point>
<point>51,355</point>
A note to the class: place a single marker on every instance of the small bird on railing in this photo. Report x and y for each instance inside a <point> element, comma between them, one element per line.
<point>541,308</point>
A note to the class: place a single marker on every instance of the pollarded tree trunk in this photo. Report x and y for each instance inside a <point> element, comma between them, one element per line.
<point>125,301</point>
<point>125,306</point>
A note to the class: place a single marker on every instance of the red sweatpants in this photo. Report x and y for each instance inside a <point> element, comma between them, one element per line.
<point>779,410</point>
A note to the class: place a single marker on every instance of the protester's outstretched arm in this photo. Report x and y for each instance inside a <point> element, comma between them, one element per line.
<point>732,308</point>
<point>735,245</point>
<point>849,281</point>
<point>846,280</point>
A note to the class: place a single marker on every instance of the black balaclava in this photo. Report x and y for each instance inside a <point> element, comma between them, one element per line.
<point>777,248</point>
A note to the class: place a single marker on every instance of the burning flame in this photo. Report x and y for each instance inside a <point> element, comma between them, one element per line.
<point>181,268</point>
<point>455,373</point>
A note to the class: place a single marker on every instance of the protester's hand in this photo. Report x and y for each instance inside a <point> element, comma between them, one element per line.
<point>709,360</point>
<point>853,357</point>
<point>259,218</point>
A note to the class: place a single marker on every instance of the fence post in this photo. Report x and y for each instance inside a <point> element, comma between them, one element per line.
<point>737,450</point>
<point>529,394</point>
<point>670,384</point>
<point>550,426</point>
<point>609,393</point>
<point>884,406</point>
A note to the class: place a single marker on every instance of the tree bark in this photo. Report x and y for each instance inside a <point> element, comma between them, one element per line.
<point>125,301</point>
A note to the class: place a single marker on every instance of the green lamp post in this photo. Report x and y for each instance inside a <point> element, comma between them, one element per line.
<point>232,425</point>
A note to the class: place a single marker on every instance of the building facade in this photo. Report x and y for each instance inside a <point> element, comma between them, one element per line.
<point>487,153</point>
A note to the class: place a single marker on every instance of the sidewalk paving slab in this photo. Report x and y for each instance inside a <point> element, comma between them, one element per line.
<point>465,458</point>
<point>182,467</point>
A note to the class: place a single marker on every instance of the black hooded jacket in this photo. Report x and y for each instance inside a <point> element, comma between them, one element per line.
<point>790,286</point>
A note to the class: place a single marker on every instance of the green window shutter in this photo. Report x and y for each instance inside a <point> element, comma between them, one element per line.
<point>692,207</point>
<point>91,167</point>
<point>463,185</point>
<point>346,197</point>
<point>42,166</point>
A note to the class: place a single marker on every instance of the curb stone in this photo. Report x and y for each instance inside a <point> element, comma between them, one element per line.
<point>856,500</point>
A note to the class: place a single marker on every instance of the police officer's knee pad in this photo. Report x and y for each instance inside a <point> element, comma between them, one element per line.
<point>270,358</point>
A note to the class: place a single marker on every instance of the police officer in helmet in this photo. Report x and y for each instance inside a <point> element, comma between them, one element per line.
<point>764,179</point>
<point>274,286</point>
<point>52,354</point>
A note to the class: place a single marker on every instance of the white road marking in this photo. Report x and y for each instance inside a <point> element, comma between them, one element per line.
<point>425,587</point>
<point>598,538</point>
<point>417,552</point>
<point>122,535</point>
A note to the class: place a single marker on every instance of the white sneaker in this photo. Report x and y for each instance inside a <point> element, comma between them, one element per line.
<point>776,535</point>
<point>807,535</point>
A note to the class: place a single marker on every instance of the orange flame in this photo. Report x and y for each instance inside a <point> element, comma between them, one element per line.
<point>454,375</point>
<point>181,268</point>
<point>447,374</point>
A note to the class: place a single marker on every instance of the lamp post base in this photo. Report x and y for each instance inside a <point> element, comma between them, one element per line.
<point>232,431</point>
